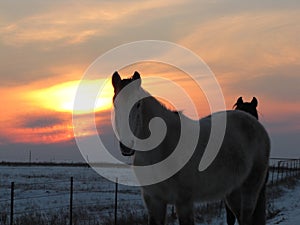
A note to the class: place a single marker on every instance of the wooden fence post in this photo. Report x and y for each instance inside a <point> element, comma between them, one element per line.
<point>116,202</point>
<point>289,169</point>
<point>278,171</point>
<point>12,203</point>
<point>282,170</point>
<point>71,201</point>
<point>273,171</point>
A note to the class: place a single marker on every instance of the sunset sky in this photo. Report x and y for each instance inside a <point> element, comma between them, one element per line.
<point>253,48</point>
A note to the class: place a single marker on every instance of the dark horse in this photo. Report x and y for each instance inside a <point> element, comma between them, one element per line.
<point>249,107</point>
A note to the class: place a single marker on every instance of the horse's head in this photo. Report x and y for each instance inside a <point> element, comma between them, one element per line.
<point>249,107</point>
<point>127,107</point>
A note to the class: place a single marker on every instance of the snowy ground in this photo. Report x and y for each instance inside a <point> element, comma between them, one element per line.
<point>47,190</point>
<point>286,208</point>
<point>288,205</point>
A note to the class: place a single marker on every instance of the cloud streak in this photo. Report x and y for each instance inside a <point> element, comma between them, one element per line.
<point>77,24</point>
<point>248,41</point>
<point>43,121</point>
<point>38,128</point>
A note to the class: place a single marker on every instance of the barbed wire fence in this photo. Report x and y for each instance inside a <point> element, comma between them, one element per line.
<point>79,201</point>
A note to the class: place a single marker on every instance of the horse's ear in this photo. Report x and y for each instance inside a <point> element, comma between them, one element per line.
<point>137,77</point>
<point>238,102</point>
<point>116,79</point>
<point>254,102</point>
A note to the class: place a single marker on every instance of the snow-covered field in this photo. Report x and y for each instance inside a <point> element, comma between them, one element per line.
<point>288,206</point>
<point>46,190</point>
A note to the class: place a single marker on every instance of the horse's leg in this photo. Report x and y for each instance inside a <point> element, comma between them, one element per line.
<point>260,210</point>
<point>252,192</point>
<point>233,206</point>
<point>230,217</point>
<point>185,212</point>
<point>156,210</point>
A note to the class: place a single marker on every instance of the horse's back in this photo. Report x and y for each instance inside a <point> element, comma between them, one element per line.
<point>249,134</point>
<point>245,148</point>
<point>244,137</point>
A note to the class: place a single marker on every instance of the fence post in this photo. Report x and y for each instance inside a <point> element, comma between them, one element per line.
<point>273,171</point>
<point>116,202</point>
<point>289,169</point>
<point>278,171</point>
<point>282,170</point>
<point>71,201</point>
<point>285,168</point>
<point>12,203</point>
<point>294,168</point>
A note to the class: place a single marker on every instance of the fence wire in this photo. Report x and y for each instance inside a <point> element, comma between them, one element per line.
<point>94,201</point>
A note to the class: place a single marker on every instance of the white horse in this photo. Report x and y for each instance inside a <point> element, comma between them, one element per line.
<point>237,174</point>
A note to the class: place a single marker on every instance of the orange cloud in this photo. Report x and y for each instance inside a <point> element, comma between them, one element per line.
<point>61,97</point>
<point>34,113</point>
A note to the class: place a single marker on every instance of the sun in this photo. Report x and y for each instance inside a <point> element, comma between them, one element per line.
<point>61,97</point>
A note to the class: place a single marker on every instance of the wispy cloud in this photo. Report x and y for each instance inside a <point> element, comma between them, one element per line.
<point>37,128</point>
<point>253,53</point>
<point>248,41</point>
<point>76,23</point>
<point>43,121</point>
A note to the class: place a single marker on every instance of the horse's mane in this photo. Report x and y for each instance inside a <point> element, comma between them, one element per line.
<point>161,104</point>
<point>127,81</point>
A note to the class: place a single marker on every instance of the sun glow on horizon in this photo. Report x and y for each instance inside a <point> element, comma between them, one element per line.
<point>61,97</point>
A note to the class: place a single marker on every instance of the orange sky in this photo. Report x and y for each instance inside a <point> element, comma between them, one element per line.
<point>45,48</point>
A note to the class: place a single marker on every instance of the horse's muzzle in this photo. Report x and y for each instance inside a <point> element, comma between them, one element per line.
<point>125,150</point>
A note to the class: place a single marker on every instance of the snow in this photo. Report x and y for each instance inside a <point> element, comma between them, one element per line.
<point>47,189</point>
<point>289,206</point>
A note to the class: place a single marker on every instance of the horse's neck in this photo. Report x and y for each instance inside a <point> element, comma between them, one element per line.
<point>153,108</point>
